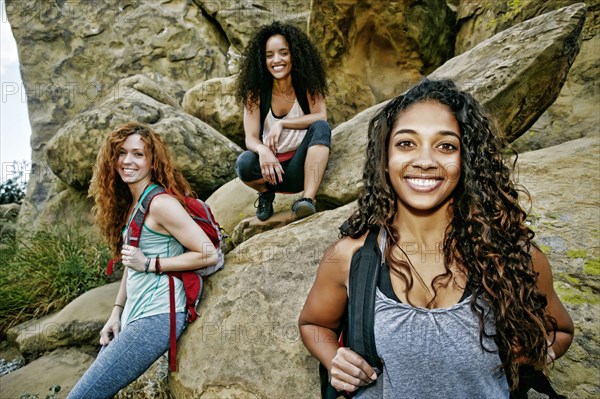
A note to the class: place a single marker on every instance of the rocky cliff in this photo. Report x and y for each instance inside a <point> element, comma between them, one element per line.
<point>88,66</point>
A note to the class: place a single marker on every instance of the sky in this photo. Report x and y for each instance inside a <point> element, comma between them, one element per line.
<point>15,130</point>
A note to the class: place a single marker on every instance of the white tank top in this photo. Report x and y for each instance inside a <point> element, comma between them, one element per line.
<point>290,139</point>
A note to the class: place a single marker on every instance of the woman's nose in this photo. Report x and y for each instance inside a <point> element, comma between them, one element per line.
<point>424,160</point>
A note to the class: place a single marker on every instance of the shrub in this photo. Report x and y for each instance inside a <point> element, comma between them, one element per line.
<point>46,271</point>
<point>11,191</point>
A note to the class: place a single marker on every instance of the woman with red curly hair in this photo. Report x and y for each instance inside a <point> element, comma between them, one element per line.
<point>133,161</point>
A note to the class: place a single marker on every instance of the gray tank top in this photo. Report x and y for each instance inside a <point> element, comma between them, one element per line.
<point>434,353</point>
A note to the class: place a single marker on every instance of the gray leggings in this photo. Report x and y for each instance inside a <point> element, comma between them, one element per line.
<point>127,357</point>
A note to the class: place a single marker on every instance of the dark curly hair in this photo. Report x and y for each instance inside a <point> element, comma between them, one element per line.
<point>487,234</point>
<point>308,72</point>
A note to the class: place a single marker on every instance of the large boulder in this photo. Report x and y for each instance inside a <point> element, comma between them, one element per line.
<point>215,103</point>
<point>480,20</point>
<point>516,74</point>
<point>234,202</point>
<point>245,344</point>
<point>205,157</point>
<point>371,49</point>
<point>564,182</point>
<point>241,18</point>
<point>575,113</point>
<point>62,367</point>
<point>78,323</point>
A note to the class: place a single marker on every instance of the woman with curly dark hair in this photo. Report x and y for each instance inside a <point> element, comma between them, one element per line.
<point>464,296</point>
<point>132,162</point>
<point>282,85</point>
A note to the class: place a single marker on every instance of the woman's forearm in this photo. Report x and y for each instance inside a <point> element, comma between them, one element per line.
<point>321,342</point>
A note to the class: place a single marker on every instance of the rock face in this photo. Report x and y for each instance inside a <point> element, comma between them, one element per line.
<point>240,19</point>
<point>234,202</point>
<point>215,103</point>
<point>78,323</point>
<point>575,113</point>
<point>564,216</point>
<point>375,50</point>
<point>78,63</point>
<point>204,156</point>
<point>8,216</point>
<point>73,53</point>
<point>515,74</point>
<point>63,367</point>
<point>480,20</point>
<point>245,344</point>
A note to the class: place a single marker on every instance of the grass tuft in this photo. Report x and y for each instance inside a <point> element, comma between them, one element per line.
<point>44,272</point>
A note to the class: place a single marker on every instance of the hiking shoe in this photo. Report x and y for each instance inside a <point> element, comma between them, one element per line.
<point>264,205</point>
<point>303,207</point>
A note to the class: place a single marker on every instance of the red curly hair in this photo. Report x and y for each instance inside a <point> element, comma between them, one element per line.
<point>111,195</point>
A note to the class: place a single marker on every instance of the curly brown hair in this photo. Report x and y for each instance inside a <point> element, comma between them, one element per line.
<point>486,234</point>
<point>308,72</point>
<point>111,195</point>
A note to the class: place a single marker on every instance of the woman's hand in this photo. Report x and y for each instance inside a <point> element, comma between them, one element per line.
<point>273,136</point>
<point>349,371</point>
<point>111,328</point>
<point>133,258</point>
<point>270,167</point>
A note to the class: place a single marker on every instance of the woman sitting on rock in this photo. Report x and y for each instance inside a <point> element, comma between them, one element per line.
<point>132,161</point>
<point>464,296</point>
<point>282,85</point>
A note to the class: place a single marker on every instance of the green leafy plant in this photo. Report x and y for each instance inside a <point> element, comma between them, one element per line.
<point>47,270</point>
<point>12,191</point>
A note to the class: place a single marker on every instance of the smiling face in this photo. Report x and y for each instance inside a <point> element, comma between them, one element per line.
<point>278,57</point>
<point>134,164</point>
<point>424,156</point>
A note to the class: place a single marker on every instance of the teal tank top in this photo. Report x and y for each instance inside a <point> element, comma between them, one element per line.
<point>148,293</point>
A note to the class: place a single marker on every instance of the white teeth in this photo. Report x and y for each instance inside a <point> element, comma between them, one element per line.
<point>278,67</point>
<point>423,182</point>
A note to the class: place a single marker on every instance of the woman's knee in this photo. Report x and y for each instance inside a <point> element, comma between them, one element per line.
<point>320,132</point>
<point>246,166</point>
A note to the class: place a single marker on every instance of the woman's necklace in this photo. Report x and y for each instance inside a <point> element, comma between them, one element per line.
<point>288,96</point>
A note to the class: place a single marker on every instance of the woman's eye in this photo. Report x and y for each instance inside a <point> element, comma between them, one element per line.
<point>404,144</point>
<point>447,147</point>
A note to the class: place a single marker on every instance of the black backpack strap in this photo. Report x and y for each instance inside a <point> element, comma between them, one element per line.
<point>265,105</point>
<point>530,378</point>
<point>364,275</point>
<point>302,99</point>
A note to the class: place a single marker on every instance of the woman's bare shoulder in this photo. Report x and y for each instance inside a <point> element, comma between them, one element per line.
<point>340,253</point>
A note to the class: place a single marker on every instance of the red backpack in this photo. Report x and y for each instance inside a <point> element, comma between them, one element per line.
<point>193,280</point>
